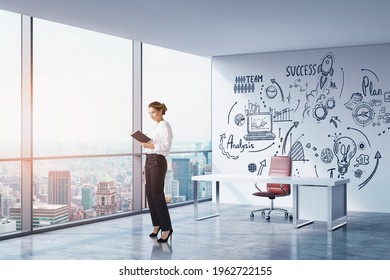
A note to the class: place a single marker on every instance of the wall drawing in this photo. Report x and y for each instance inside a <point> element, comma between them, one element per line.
<point>328,110</point>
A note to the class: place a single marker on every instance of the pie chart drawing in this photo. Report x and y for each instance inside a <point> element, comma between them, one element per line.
<point>296,152</point>
<point>239,119</point>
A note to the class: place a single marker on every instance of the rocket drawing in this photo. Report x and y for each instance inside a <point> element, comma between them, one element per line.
<point>325,68</point>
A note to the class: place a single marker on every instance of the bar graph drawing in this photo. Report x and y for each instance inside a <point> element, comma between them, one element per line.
<point>282,116</point>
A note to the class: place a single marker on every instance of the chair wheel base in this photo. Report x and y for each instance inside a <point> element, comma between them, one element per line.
<point>267,215</point>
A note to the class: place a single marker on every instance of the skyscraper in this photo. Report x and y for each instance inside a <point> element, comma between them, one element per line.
<point>87,197</point>
<point>106,198</point>
<point>59,187</point>
<point>181,173</point>
<point>43,215</point>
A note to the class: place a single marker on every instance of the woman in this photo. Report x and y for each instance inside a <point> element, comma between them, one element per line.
<point>157,149</point>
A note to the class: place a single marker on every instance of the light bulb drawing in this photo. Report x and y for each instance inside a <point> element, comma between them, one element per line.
<point>344,149</point>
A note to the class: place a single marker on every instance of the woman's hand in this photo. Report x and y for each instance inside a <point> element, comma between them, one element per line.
<point>148,145</point>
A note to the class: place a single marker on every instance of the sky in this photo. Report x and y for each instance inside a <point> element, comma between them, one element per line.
<point>98,106</point>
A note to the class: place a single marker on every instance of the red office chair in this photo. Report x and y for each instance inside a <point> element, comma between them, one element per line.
<point>280,166</point>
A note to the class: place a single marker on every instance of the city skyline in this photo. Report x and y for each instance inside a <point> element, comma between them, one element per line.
<point>92,172</point>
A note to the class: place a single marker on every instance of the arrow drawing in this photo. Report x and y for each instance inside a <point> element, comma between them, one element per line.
<point>377,156</point>
<point>342,85</point>
<point>368,141</point>
<point>333,120</point>
<point>231,111</point>
<point>273,143</point>
<point>299,102</point>
<point>280,89</point>
<point>289,97</point>
<point>363,69</point>
<point>285,138</point>
<point>262,165</point>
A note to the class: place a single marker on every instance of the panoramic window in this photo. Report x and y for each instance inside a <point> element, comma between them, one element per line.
<point>82,91</point>
<point>82,118</point>
<point>10,81</point>
<point>183,82</point>
<point>10,120</point>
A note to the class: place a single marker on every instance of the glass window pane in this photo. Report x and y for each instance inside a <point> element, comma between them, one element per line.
<point>178,186</point>
<point>10,197</point>
<point>10,84</point>
<point>183,82</point>
<point>10,121</point>
<point>77,189</point>
<point>82,91</point>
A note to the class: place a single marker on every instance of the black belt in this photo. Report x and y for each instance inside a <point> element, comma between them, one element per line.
<point>154,155</point>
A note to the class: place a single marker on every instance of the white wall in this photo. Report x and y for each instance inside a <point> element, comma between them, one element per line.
<point>317,98</point>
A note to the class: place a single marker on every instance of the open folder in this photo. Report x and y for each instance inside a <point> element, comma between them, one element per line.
<point>139,136</point>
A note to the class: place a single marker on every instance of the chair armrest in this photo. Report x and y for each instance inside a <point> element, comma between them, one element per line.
<point>281,187</point>
<point>258,188</point>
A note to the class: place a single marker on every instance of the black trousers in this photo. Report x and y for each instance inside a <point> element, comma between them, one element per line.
<point>155,170</point>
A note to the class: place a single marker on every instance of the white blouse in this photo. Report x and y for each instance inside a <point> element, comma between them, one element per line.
<point>162,138</point>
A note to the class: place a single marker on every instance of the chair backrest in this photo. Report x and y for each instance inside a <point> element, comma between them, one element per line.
<point>280,166</point>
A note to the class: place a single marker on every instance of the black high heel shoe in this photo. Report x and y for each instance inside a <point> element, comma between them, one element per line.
<point>154,234</point>
<point>162,240</point>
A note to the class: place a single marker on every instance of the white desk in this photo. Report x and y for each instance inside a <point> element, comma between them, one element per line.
<point>336,194</point>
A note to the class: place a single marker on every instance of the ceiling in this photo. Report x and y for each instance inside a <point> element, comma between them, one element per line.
<point>223,27</point>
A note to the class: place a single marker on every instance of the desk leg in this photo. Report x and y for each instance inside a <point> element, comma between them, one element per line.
<point>296,209</point>
<point>330,203</point>
<point>295,206</point>
<point>337,206</point>
<point>196,209</point>
<point>217,196</point>
<point>195,192</point>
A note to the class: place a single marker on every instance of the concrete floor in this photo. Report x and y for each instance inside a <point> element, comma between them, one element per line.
<point>232,235</point>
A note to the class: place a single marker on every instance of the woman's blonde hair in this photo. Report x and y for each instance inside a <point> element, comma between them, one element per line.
<point>158,106</point>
